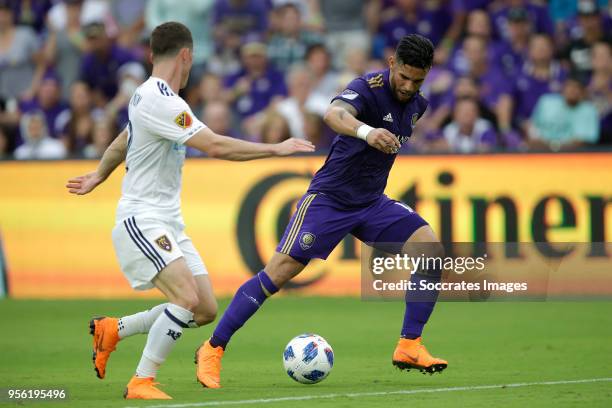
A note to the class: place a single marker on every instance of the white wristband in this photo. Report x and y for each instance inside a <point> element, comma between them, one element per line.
<point>363,131</point>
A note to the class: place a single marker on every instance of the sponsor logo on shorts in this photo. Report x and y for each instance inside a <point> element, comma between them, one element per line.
<point>306,240</point>
<point>183,120</point>
<point>164,243</point>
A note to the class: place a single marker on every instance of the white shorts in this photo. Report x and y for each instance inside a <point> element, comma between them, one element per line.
<point>144,247</point>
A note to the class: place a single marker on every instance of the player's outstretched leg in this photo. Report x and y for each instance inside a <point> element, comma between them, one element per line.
<point>410,352</point>
<point>107,331</point>
<point>247,300</point>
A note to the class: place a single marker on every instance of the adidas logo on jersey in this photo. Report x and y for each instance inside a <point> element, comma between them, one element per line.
<point>388,118</point>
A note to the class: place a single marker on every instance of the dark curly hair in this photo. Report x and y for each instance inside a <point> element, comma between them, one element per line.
<point>415,50</point>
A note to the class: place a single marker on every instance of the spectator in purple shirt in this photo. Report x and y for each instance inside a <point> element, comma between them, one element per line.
<point>513,50</point>
<point>413,18</point>
<point>257,85</point>
<point>495,88</point>
<point>478,24</point>
<point>463,88</point>
<point>100,66</point>
<point>540,75</point>
<point>238,18</point>
<point>468,132</point>
<point>538,16</point>
<point>459,10</point>
<point>48,101</point>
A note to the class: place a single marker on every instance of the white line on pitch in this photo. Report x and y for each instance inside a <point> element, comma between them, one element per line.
<point>375,394</point>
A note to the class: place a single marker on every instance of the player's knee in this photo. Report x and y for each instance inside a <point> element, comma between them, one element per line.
<point>205,317</point>
<point>188,300</point>
<point>282,268</point>
<point>205,313</point>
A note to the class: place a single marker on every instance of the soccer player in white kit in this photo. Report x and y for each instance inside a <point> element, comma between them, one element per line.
<point>148,236</point>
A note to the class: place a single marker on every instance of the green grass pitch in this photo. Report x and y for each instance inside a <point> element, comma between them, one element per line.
<point>46,343</point>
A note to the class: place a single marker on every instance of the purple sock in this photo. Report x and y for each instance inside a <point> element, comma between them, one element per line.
<point>247,300</point>
<point>419,306</point>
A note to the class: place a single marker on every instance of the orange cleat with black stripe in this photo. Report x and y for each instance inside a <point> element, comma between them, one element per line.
<point>144,388</point>
<point>105,332</point>
<point>208,361</point>
<point>412,354</point>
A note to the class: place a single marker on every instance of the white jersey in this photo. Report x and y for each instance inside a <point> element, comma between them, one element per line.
<point>160,122</point>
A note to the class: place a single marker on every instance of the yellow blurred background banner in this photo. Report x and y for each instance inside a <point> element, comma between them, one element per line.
<point>59,245</point>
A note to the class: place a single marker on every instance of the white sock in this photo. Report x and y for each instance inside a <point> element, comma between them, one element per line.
<point>165,331</point>
<point>140,322</point>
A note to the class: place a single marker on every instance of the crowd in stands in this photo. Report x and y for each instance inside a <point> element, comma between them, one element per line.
<point>509,75</point>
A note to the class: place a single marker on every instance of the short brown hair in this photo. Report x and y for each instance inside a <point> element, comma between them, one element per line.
<point>167,39</point>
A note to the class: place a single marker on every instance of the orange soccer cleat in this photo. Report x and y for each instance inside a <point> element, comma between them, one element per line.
<point>208,361</point>
<point>144,388</point>
<point>412,354</point>
<point>105,332</point>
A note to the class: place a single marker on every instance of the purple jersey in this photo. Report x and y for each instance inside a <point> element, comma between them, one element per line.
<point>529,88</point>
<point>50,113</point>
<point>355,173</point>
<point>493,84</point>
<point>538,16</point>
<point>263,90</point>
<point>101,74</point>
<point>243,17</point>
<point>431,24</point>
<point>509,59</point>
<point>465,6</point>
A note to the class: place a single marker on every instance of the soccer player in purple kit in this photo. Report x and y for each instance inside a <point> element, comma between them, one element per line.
<point>373,117</point>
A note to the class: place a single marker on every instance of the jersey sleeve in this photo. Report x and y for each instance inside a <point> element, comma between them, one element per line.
<point>171,118</point>
<point>356,94</point>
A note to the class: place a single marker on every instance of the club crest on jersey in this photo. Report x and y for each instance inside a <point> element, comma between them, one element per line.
<point>415,117</point>
<point>306,240</point>
<point>183,120</point>
<point>164,243</point>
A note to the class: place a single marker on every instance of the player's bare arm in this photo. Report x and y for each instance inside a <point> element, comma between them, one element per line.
<point>228,148</point>
<point>341,117</point>
<point>113,157</point>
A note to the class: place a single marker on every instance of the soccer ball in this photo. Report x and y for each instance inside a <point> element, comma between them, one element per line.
<point>308,358</point>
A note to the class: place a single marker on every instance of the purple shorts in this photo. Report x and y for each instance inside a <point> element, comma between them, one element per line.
<point>321,222</point>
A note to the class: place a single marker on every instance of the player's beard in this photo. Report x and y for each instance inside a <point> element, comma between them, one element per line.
<point>404,97</point>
